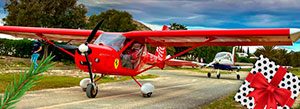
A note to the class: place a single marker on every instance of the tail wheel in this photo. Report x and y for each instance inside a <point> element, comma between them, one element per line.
<point>208,74</point>
<point>238,77</point>
<point>218,76</point>
<point>91,90</point>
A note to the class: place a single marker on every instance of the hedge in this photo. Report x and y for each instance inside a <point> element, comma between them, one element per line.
<point>22,48</point>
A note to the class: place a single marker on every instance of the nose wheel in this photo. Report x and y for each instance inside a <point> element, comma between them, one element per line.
<point>91,90</point>
<point>238,77</point>
<point>218,76</point>
<point>208,74</point>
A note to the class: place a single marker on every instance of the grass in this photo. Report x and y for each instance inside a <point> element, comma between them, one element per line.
<point>295,71</point>
<point>49,82</point>
<point>225,102</point>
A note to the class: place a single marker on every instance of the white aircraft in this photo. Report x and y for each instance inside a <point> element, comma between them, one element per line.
<point>225,61</point>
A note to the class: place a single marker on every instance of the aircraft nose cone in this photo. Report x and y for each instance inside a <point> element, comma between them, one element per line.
<point>83,48</point>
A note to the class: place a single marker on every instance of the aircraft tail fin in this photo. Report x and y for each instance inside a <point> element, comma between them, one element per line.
<point>161,52</point>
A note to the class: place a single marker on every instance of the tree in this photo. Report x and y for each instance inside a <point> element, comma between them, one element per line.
<point>176,26</point>
<point>114,21</point>
<point>267,51</point>
<point>280,56</point>
<point>207,53</point>
<point>173,50</point>
<point>45,13</point>
<point>295,59</point>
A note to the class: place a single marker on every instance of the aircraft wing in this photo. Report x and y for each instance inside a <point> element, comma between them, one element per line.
<point>58,34</point>
<point>246,67</point>
<point>176,62</point>
<point>228,37</point>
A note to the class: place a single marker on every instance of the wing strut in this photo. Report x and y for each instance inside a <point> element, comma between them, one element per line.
<point>181,53</point>
<point>51,43</point>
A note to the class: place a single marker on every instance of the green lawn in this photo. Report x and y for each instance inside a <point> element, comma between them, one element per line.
<point>295,71</point>
<point>49,82</point>
<point>226,102</point>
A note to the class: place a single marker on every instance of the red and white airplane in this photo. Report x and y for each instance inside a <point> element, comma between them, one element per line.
<point>125,53</point>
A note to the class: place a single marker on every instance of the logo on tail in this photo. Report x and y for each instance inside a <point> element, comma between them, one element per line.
<point>161,53</point>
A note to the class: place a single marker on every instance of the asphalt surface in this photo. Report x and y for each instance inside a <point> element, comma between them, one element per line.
<point>173,89</point>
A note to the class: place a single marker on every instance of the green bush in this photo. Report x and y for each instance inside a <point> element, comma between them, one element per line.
<point>22,48</point>
<point>16,48</point>
<point>245,60</point>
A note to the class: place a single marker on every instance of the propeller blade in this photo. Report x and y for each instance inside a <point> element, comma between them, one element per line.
<point>93,33</point>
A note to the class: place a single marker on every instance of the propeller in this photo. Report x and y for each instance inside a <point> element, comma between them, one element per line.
<point>92,35</point>
<point>83,48</point>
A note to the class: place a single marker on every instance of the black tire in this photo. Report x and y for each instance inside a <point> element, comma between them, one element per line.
<point>147,95</point>
<point>238,77</point>
<point>218,76</point>
<point>208,74</point>
<point>90,92</point>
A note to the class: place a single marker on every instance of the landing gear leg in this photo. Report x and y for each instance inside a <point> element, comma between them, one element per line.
<point>146,89</point>
<point>92,88</point>
<point>218,74</point>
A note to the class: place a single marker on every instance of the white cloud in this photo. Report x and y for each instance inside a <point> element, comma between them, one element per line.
<point>1,22</point>
<point>201,28</point>
<point>152,26</point>
<point>264,20</point>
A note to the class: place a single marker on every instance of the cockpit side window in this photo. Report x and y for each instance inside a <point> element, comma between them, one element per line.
<point>131,57</point>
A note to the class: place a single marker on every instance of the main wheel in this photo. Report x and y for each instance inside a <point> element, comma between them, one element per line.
<point>91,90</point>
<point>218,76</point>
<point>208,74</point>
<point>147,89</point>
<point>238,77</point>
<point>147,95</point>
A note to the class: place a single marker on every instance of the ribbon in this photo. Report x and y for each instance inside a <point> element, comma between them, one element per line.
<point>268,93</point>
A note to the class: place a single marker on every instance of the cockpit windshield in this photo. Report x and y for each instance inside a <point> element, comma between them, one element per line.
<point>113,40</point>
<point>223,55</point>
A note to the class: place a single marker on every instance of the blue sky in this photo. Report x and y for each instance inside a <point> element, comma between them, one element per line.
<point>203,14</point>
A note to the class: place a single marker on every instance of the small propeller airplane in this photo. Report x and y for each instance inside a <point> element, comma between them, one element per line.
<point>225,61</point>
<point>125,54</point>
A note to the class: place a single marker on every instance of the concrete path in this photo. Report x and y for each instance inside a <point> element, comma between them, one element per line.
<point>174,89</point>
